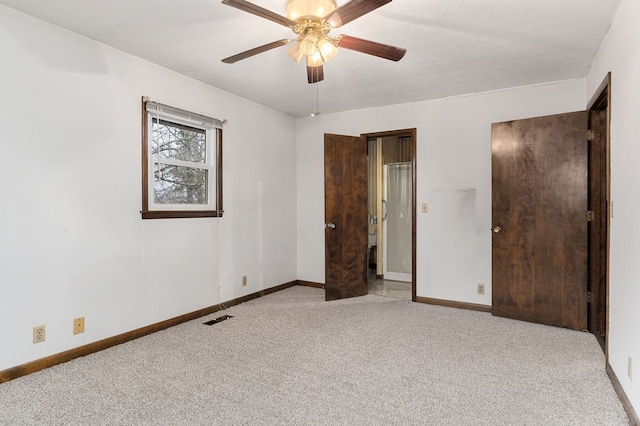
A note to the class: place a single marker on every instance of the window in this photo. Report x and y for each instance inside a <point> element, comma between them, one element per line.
<point>181,163</point>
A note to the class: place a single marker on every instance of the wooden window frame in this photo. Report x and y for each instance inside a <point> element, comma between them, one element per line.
<point>148,213</point>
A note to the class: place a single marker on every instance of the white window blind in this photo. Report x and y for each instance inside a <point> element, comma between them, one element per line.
<point>158,108</point>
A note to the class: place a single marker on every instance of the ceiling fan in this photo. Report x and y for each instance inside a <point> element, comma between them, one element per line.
<point>311,21</point>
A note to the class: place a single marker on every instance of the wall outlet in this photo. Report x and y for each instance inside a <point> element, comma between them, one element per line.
<point>78,325</point>
<point>480,288</point>
<point>425,207</point>
<point>630,368</point>
<point>244,280</point>
<point>39,333</point>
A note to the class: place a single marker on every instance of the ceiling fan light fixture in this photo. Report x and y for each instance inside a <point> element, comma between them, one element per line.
<point>316,8</point>
<point>328,48</point>
<point>294,51</point>
<point>316,46</point>
<point>315,60</point>
<point>309,43</point>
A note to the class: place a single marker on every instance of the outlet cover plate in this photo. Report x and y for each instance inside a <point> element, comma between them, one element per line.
<point>39,334</point>
<point>480,288</point>
<point>78,325</point>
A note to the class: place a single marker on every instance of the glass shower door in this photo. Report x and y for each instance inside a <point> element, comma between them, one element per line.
<point>396,225</point>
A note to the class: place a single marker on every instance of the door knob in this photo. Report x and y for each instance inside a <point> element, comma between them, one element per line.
<point>331,225</point>
<point>497,229</point>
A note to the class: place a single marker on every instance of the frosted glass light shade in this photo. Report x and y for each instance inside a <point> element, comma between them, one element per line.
<point>328,49</point>
<point>309,43</point>
<point>294,51</point>
<point>301,8</point>
<point>315,46</point>
<point>314,60</point>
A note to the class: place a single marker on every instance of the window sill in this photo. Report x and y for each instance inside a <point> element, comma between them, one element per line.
<point>180,214</point>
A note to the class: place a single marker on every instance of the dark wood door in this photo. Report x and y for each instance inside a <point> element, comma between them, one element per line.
<point>539,203</point>
<point>346,226</point>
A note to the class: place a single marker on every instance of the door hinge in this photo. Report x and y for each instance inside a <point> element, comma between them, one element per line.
<point>591,216</point>
<point>589,297</point>
<point>591,135</point>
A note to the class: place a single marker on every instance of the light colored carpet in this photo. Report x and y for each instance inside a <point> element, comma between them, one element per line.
<point>292,358</point>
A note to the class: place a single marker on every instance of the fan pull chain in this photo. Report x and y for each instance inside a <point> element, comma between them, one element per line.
<point>316,112</point>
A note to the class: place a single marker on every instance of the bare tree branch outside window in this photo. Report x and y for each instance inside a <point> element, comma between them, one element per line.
<point>175,184</point>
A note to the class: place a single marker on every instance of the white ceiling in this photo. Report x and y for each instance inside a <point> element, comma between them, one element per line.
<point>453,47</point>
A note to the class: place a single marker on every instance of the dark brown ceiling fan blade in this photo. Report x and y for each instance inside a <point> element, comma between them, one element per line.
<point>371,48</point>
<point>259,11</point>
<point>315,74</point>
<point>254,51</point>
<point>353,10</point>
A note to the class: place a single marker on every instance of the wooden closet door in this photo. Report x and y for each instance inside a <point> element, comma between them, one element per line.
<point>539,213</point>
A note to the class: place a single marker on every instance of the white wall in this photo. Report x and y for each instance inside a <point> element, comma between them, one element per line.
<point>71,239</point>
<point>453,174</point>
<point>620,54</point>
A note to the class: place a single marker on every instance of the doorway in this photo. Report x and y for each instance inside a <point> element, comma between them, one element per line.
<point>391,213</point>
<point>599,211</point>
<point>346,225</point>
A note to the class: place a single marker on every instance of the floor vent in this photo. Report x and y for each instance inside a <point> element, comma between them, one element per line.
<point>217,320</point>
